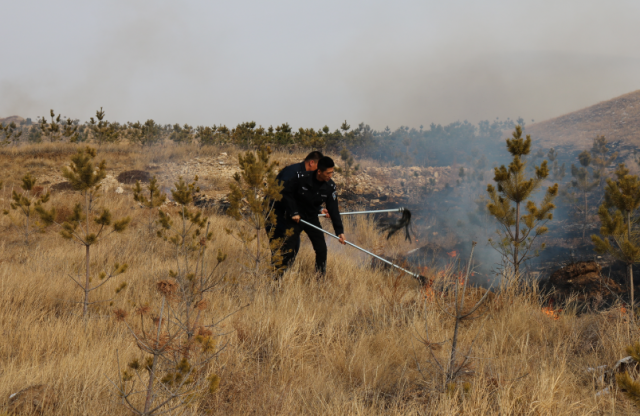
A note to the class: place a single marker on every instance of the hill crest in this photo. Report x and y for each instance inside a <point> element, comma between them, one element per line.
<point>618,119</point>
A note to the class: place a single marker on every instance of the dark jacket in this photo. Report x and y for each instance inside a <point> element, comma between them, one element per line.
<point>286,175</point>
<point>304,194</point>
<point>291,172</point>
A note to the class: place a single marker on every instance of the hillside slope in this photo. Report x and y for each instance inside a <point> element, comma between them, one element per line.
<point>617,119</point>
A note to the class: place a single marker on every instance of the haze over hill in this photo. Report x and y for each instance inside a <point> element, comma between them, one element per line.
<point>617,119</point>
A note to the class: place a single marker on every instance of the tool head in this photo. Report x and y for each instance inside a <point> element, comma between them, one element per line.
<point>403,223</point>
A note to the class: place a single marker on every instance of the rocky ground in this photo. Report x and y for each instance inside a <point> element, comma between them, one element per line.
<point>369,186</point>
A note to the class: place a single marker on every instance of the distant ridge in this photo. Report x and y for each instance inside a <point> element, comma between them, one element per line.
<point>15,119</point>
<point>617,119</point>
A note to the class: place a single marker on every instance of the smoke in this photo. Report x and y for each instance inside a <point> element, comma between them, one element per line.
<point>402,63</point>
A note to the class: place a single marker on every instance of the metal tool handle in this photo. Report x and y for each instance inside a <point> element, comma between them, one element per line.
<point>367,212</point>
<point>416,276</point>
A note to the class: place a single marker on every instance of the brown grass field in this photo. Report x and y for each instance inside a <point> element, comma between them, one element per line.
<point>346,345</point>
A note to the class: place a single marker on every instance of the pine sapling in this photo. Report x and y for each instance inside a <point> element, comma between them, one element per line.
<point>28,203</point>
<point>619,234</point>
<point>87,226</point>
<point>51,130</point>
<point>601,158</point>
<point>253,194</point>
<point>629,386</point>
<point>519,232</point>
<point>349,167</point>
<point>583,182</point>
<point>103,131</point>
<point>155,199</point>
<point>176,351</point>
<point>173,370</point>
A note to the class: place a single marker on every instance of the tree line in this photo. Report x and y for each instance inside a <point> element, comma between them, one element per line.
<point>438,144</point>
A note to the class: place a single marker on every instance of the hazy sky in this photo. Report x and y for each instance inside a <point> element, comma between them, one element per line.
<point>315,63</point>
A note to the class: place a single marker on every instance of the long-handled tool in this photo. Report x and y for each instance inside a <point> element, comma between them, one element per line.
<point>402,223</point>
<point>420,278</point>
<point>375,211</point>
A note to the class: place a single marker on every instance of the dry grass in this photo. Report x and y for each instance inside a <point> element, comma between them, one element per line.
<point>348,345</point>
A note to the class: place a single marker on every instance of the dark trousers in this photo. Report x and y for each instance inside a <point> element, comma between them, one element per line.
<point>291,245</point>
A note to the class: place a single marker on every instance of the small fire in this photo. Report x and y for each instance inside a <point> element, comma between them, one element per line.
<point>623,310</point>
<point>452,253</point>
<point>548,310</point>
<point>429,293</point>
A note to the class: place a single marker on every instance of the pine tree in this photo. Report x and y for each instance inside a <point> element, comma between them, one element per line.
<point>601,158</point>
<point>179,346</point>
<point>557,170</point>
<point>87,226</point>
<point>519,232</point>
<point>349,167</point>
<point>582,181</point>
<point>620,237</point>
<point>28,203</point>
<point>156,198</point>
<point>11,133</point>
<point>51,130</point>
<point>253,194</point>
<point>103,131</point>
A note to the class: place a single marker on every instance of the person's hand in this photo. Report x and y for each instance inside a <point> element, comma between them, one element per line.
<point>296,218</point>
<point>325,212</point>
<point>342,239</point>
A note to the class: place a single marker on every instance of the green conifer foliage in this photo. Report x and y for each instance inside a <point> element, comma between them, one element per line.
<point>154,200</point>
<point>51,130</point>
<point>144,134</point>
<point>10,133</point>
<point>584,181</point>
<point>349,167</point>
<point>601,159</point>
<point>88,225</point>
<point>629,386</point>
<point>175,344</point>
<point>519,231</point>
<point>103,131</point>
<point>28,203</point>
<point>253,193</point>
<point>557,170</point>
<point>618,215</point>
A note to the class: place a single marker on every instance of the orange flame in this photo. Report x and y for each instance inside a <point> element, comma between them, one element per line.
<point>452,253</point>
<point>623,310</point>
<point>551,313</point>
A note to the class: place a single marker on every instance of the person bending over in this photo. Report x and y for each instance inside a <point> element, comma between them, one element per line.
<point>302,196</point>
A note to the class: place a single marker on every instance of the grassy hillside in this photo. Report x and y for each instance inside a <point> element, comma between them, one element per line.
<point>617,119</point>
<point>347,345</point>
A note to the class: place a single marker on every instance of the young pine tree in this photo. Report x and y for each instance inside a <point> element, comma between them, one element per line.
<point>179,345</point>
<point>629,386</point>
<point>155,199</point>
<point>584,183</point>
<point>87,225</point>
<point>253,194</point>
<point>103,131</point>
<point>620,237</point>
<point>557,170</point>
<point>172,372</point>
<point>601,159</point>
<point>51,130</point>
<point>28,204</point>
<point>349,167</point>
<point>519,230</point>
